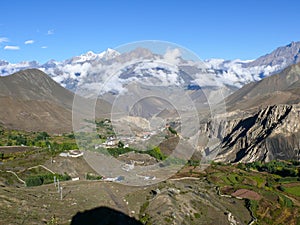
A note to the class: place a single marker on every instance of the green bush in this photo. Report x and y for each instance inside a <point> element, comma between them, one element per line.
<point>172,130</point>
<point>93,177</point>
<point>42,136</point>
<point>121,144</point>
<point>156,153</point>
<point>281,188</point>
<point>281,168</point>
<point>118,151</point>
<point>21,140</point>
<point>193,162</point>
<point>197,215</point>
<point>33,181</point>
<point>46,178</point>
<point>56,147</point>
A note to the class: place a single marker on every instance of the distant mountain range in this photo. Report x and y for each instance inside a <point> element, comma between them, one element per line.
<point>262,118</point>
<point>90,69</point>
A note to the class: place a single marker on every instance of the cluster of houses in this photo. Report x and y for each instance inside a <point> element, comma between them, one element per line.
<point>112,142</point>
<point>72,154</point>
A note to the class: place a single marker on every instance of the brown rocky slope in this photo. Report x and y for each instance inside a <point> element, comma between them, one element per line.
<point>30,100</point>
<point>262,121</point>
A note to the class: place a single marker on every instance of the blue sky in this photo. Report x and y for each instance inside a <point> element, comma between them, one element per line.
<point>212,29</point>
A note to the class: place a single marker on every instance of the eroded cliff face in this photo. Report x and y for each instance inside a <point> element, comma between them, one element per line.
<point>270,133</point>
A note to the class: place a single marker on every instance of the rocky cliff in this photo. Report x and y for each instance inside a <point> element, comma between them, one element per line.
<point>261,122</point>
<point>270,133</point>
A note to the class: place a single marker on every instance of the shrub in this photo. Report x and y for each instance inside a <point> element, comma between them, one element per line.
<point>197,215</point>
<point>173,131</point>
<point>120,144</point>
<point>156,153</point>
<point>33,181</point>
<point>42,136</point>
<point>281,188</point>
<point>93,177</point>
<point>46,178</point>
<point>193,162</point>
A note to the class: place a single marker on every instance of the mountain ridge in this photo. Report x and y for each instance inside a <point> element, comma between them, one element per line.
<point>31,100</point>
<point>79,70</point>
<point>280,88</point>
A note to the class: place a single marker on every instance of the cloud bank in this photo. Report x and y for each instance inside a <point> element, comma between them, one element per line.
<point>3,39</point>
<point>11,47</point>
<point>28,42</point>
<point>172,56</point>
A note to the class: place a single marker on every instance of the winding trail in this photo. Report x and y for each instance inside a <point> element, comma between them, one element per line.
<point>22,181</point>
<point>44,167</point>
<point>12,172</point>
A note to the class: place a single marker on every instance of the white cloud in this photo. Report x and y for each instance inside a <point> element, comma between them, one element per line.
<point>3,39</point>
<point>172,56</point>
<point>50,32</point>
<point>44,47</point>
<point>28,42</point>
<point>11,47</point>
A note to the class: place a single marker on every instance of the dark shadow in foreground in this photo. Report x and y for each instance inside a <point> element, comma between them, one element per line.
<point>103,216</point>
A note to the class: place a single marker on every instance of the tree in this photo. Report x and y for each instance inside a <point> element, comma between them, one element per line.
<point>21,140</point>
<point>173,131</point>
<point>156,153</point>
<point>121,144</point>
<point>42,136</point>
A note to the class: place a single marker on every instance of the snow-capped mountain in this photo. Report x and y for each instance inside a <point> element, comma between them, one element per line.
<point>242,72</point>
<point>90,70</point>
<point>7,68</point>
<point>91,56</point>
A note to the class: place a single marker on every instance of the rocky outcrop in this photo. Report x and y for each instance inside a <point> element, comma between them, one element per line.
<point>270,133</point>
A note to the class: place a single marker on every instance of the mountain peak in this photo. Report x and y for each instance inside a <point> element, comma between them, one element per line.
<point>137,53</point>
<point>32,77</point>
<point>108,54</point>
<point>293,44</point>
<point>89,54</point>
<point>283,56</point>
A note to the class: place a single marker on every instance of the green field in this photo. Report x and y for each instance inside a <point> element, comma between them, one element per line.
<point>293,190</point>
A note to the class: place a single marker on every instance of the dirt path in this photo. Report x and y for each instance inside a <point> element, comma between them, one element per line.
<point>118,202</point>
<point>12,172</point>
<point>44,167</point>
<point>184,178</point>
